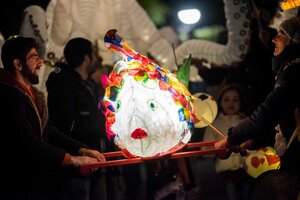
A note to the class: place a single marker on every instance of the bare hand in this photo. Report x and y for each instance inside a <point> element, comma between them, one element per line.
<point>247,144</point>
<point>92,153</point>
<point>83,160</point>
<point>221,144</point>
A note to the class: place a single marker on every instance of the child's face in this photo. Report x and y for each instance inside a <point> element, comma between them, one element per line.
<point>230,102</point>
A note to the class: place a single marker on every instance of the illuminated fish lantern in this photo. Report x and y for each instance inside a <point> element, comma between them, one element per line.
<point>261,160</point>
<point>148,111</point>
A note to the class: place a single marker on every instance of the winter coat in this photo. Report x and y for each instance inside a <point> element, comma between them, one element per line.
<point>32,150</point>
<point>73,107</point>
<point>278,108</point>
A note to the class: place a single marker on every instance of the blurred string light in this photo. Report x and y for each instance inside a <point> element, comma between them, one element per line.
<point>189,16</point>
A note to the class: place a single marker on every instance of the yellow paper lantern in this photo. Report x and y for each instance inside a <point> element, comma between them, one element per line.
<point>261,160</point>
<point>205,107</point>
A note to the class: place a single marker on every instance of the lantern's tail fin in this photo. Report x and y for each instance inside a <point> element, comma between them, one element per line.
<point>116,43</point>
<point>183,74</point>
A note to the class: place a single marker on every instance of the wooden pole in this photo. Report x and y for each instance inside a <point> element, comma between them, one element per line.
<point>212,127</point>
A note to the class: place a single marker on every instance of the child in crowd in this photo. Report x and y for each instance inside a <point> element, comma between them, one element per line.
<point>231,104</point>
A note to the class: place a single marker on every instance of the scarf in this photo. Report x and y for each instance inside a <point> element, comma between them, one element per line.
<point>37,97</point>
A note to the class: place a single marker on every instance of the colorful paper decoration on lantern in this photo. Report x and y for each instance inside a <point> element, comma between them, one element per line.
<point>148,111</point>
<point>261,160</point>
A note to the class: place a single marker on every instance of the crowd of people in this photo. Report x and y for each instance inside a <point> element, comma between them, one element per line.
<point>280,107</point>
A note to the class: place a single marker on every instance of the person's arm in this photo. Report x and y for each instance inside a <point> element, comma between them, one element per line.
<point>24,133</point>
<point>279,103</point>
<point>22,142</point>
<point>88,156</point>
<point>73,147</point>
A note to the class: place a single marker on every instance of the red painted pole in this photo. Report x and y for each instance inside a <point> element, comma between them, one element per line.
<point>192,150</point>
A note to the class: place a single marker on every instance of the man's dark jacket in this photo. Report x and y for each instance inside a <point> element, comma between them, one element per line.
<point>73,107</point>
<point>32,150</point>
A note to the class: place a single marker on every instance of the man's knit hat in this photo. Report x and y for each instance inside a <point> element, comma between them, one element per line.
<point>291,27</point>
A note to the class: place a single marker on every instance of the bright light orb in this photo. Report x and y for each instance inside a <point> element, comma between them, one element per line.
<point>189,16</point>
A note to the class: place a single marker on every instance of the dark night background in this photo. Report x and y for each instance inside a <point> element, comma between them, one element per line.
<point>163,12</point>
